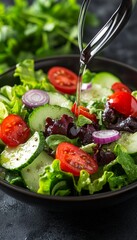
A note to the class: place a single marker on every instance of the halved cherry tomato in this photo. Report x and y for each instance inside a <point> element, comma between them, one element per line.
<point>120,87</point>
<point>14,130</point>
<point>83,111</point>
<point>124,103</point>
<point>73,159</point>
<point>0,131</point>
<point>63,79</point>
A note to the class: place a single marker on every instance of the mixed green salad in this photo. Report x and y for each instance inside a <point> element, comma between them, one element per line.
<point>41,28</point>
<point>51,146</point>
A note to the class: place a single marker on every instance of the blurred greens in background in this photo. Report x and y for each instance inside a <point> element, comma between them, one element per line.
<point>42,29</point>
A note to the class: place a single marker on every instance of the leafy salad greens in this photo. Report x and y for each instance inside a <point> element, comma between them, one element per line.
<point>33,164</point>
<point>38,30</point>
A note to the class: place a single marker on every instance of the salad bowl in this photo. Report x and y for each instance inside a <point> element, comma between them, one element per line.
<point>128,75</point>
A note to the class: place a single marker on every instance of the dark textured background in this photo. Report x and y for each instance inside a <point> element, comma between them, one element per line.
<point>18,221</point>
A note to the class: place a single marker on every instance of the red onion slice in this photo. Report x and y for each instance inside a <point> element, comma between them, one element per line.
<point>86,86</point>
<point>35,97</point>
<point>105,136</point>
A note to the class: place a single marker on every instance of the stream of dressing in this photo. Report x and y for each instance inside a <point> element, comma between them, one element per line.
<point>82,62</point>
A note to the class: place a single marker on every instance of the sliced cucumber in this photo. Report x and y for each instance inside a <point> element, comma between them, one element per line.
<point>22,155</point>
<point>105,79</point>
<point>59,99</point>
<point>129,142</point>
<point>38,117</point>
<point>96,92</point>
<point>32,172</point>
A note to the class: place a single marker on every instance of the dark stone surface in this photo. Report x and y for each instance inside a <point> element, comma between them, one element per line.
<point>18,221</point>
<point>124,46</point>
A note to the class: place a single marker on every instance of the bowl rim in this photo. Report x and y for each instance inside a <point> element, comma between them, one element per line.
<point>93,197</point>
<point>100,58</point>
<point>83,198</point>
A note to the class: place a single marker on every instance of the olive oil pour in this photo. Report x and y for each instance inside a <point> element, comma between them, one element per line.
<point>107,33</point>
<point>82,63</point>
<point>79,83</point>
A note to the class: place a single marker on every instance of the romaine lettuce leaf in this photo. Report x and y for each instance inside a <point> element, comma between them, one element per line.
<point>127,163</point>
<point>85,182</point>
<point>3,112</point>
<point>56,182</point>
<point>118,173</point>
<point>117,182</point>
<point>29,77</point>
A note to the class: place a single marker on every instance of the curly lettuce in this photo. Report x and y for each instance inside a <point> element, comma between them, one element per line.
<point>113,176</point>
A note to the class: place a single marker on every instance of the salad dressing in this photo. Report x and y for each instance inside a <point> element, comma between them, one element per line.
<point>83,62</point>
<point>79,83</point>
<point>107,33</point>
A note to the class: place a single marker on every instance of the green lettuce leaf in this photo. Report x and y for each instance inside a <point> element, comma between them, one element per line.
<point>82,120</point>
<point>87,76</point>
<point>11,97</point>
<point>14,178</point>
<point>38,29</point>
<point>29,77</point>
<point>56,182</point>
<point>53,140</point>
<point>3,112</point>
<point>85,182</point>
<point>127,163</point>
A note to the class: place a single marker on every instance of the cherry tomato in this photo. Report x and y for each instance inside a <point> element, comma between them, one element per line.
<point>14,130</point>
<point>124,103</point>
<point>0,131</point>
<point>83,111</point>
<point>120,87</point>
<point>73,159</point>
<point>63,79</point>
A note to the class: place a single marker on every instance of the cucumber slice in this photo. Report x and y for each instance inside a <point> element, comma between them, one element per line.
<point>22,155</point>
<point>129,142</point>
<point>38,117</point>
<point>60,100</point>
<point>96,92</point>
<point>32,172</point>
<point>105,79</point>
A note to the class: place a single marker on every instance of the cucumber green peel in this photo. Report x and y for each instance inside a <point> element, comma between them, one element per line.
<point>23,154</point>
<point>105,79</point>
<point>31,173</point>
<point>43,112</point>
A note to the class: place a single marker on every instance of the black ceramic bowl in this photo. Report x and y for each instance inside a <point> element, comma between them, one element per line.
<point>129,76</point>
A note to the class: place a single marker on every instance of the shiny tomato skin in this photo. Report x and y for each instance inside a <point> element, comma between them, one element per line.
<point>14,130</point>
<point>83,111</point>
<point>73,159</point>
<point>124,103</point>
<point>0,131</point>
<point>63,79</point>
<point>120,87</point>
